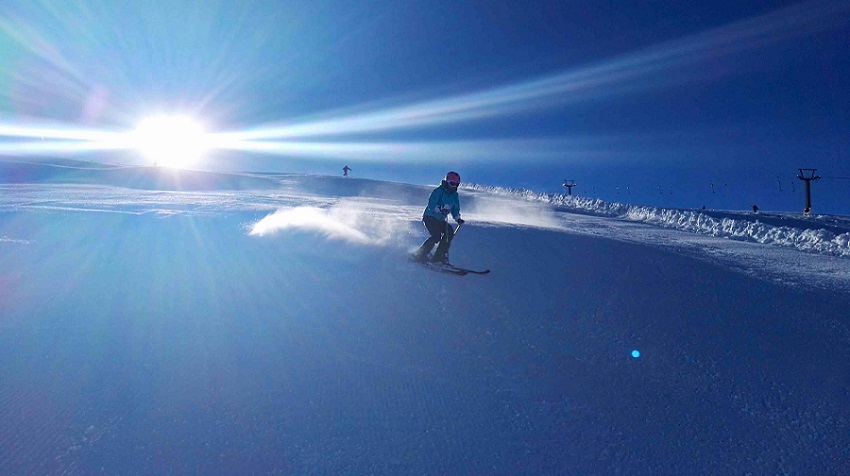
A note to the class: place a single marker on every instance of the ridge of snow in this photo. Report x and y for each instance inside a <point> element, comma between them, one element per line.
<point>812,240</point>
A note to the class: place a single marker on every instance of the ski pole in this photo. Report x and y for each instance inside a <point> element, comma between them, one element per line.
<point>455,231</point>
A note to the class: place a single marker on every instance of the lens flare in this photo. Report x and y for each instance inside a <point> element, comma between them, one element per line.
<point>171,141</point>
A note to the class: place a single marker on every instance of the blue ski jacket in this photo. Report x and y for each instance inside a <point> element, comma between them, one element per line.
<point>442,202</point>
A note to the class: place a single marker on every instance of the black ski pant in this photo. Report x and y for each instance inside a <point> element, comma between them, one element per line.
<point>440,233</point>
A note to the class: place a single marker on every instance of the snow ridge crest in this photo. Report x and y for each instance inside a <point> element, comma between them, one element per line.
<point>809,234</point>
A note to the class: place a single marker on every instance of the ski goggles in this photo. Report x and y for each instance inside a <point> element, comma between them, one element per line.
<point>452,183</point>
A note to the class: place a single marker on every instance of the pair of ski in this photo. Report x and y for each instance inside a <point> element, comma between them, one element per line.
<point>446,267</point>
<point>452,269</point>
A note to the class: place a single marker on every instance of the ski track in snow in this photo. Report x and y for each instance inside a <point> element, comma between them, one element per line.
<point>777,264</point>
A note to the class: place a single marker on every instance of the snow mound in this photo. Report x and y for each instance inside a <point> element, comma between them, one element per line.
<point>812,235</point>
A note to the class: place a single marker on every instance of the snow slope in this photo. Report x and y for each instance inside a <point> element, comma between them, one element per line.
<point>279,329</point>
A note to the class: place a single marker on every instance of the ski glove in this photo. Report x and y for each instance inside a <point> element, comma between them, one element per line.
<point>445,209</point>
<point>460,221</point>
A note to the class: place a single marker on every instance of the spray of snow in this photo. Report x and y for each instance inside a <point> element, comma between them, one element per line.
<point>504,211</point>
<point>350,221</point>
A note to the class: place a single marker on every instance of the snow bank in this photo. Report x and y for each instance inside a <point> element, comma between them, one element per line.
<point>812,239</point>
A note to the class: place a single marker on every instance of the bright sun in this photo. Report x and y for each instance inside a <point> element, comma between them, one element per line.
<point>171,141</point>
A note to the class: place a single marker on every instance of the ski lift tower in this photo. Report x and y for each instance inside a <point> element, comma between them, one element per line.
<point>569,184</point>
<point>807,175</point>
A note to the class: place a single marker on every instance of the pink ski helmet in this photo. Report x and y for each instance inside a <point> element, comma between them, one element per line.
<point>453,179</point>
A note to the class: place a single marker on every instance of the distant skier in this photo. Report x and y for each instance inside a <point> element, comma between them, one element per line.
<point>345,171</point>
<point>755,208</point>
<point>444,201</point>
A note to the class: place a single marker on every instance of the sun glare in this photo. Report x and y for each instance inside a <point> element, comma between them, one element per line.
<point>171,141</point>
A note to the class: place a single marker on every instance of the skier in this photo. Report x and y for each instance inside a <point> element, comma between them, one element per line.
<point>345,171</point>
<point>443,202</point>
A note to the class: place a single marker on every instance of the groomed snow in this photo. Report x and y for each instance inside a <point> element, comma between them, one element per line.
<point>222,326</point>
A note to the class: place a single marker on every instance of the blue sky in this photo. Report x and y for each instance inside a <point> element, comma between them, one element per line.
<point>662,103</point>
